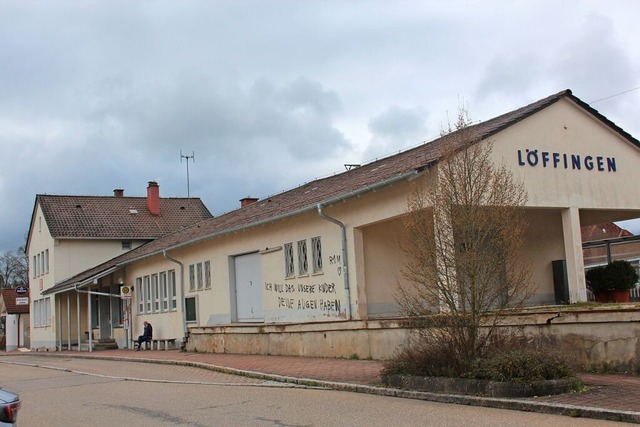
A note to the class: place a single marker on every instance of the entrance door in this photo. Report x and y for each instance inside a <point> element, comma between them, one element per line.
<point>105,316</point>
<point>248,288</point>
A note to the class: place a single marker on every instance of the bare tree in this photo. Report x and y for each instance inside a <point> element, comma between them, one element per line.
<point>463,237</point>
<point>14,269</point>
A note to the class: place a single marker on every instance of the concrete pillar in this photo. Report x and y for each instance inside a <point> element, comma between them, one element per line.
<point>11,331</point>
<point>573,254</point>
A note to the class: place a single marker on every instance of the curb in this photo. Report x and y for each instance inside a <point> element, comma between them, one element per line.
<point>489,402</point>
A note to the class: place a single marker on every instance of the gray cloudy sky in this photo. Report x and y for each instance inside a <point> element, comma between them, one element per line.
<point>98,95</point>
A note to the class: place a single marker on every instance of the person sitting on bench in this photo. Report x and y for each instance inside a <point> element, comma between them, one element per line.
<point>146,336</point>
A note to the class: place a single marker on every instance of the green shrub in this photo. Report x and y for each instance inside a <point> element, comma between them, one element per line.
<point>521,366</point>
<point>515,365</point>
<point>616,275</point>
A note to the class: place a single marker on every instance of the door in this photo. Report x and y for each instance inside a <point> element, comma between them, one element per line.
<point>105,316</point>
<point>248,288</point>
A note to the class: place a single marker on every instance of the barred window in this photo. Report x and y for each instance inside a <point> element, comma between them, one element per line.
<point>147,295</point>
<point>192,277</point>
<point>164,291</point>
<point>140,295</point>
<point>303,264</point>
<point>200,283</point>
<point>155,292</point>
<point>207,274</point>
<point>172,290</point>
<point>316,249</point>
<point>288,260</point>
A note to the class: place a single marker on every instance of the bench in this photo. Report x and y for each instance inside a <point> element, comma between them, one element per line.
<point>156,344</point>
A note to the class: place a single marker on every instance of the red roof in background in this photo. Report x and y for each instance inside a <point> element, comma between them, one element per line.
<point>9,296</point>
<point>607,230</point>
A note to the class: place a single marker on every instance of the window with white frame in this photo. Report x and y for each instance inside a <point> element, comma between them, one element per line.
<point>42,312</point>
<point>207,274</point>
<point>139,295</point>
<point>288,260</point>
<point>316,250</point>
<point>172,290</point>
<point>200,277</point>
<point>164,291</point>
<point>147,294</point>
<point>155,292</point>
<point>34,269</point>
<point>192,277</point>
<point>38,271</point>
<point>191,309</point>
<point>303,264</point>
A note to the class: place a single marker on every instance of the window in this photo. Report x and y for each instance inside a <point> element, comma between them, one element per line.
<point>34,265</point>
<point>172,290</point>
<point>191,309</point>
<point>303,265</point>
<point>192,277</point>
<point>126,246</point>
<point>42,312</point>
<point>316,249</point>
<point>207,274</point>
<point>38,265</point>
<point>155,292</point>
<point>139,295</point>
<point>46,261</point>
<point>199,269</point>
<point>164,291</point>
<point>288,260</point>
<point>147,295</point>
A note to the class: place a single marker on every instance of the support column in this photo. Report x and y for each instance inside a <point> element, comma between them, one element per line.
<point>362,311</point>
<point>89,323</point>
<point>573,254</point>
<point>57,306</point>
<point>68,322</point>
<point>78,319</point>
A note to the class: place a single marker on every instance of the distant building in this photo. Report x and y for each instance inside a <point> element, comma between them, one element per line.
<point>69,234</point>
<point>14,318</point>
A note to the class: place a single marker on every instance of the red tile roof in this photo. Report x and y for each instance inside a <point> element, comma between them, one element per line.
<point>117,217</point>
<point>323,191</point>
<point>9,296</point>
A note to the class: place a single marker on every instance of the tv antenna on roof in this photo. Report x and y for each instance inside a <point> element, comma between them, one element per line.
<point>193,159</point>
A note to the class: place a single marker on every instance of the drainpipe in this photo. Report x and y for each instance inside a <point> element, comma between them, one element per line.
<point>345,264</point>
<point>184,318</point>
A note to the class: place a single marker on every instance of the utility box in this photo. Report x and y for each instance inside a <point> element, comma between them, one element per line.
<point>560,281</point>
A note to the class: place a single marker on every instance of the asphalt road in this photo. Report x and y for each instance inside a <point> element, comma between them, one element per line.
<point>81,392</point>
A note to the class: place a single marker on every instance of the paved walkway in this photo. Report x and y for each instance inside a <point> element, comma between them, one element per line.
<point>613,397</point>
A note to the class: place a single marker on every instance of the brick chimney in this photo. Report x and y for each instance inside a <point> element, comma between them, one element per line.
<point>153,198</point>
<point>118,192</point>
<point>247,201</point>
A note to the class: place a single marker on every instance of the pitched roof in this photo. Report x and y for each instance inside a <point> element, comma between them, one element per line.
<point>9,296</point>
<point>327,190</point>
<point>117,217</point>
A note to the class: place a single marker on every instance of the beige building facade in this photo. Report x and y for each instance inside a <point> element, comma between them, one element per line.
<point>70,234</point>
<point>313,271</point>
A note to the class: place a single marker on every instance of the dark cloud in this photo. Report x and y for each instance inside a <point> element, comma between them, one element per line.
<point>98,95</point>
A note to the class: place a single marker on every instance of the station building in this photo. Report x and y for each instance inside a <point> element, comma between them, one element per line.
<point>313,270</point>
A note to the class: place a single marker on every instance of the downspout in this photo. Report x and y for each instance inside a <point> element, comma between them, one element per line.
<point>345,264</point>
<point>184,318</point>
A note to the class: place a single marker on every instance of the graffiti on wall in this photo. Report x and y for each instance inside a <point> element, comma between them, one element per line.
<point>302,296</point>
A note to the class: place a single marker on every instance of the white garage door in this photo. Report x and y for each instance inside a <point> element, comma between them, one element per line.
<point>249,288</point>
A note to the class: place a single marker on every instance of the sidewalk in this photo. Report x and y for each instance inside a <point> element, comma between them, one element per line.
<point>611,397</point>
